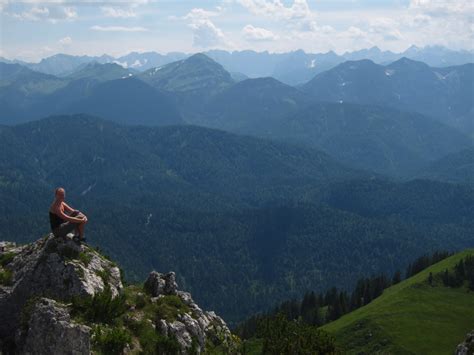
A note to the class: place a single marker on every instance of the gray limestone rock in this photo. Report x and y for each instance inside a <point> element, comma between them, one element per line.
<point>161,284</point>
<point>466,347</point>
<point>53,268</point>
<point>51,331</point>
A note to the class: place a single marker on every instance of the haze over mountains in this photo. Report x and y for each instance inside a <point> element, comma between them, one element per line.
<point>393,119</point>
<point>292,68</point>
<point>253,187</point>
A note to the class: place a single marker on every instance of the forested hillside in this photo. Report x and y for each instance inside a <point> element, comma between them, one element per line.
<point>263,220</point>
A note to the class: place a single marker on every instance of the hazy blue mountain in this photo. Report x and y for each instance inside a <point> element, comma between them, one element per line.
<point>439,56</point>
<point>190,83</point>
<point>374,54</point>
<point>107,90</point>
<point>443,93</point>
<point>291,68</point>
<point>21,88</point>
<point>236,76</point>
<point>196,73</point>
<point>127,101</point>
<point>63,64</point>
<point>457,167</point>
<point>251,63</point>
<point>300,67</point>
<point>252,104</point>
<point>18,77</point>
<point>374,138</point>
<point>148,60</point>
<point>100,72</point>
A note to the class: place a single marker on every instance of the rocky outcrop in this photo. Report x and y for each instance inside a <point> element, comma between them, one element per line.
<point>466,347</point>
<point>43,283</point>
<point>50,330</point>
<point>193,328</point>
<point>54,268</point>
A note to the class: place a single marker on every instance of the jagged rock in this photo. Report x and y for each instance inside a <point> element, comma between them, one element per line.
<point>51,331</point>
<point>50,271</point>
<point>466,347</point>
<point>191,329</point>
<point>161,284</point>
<point>53,268</point>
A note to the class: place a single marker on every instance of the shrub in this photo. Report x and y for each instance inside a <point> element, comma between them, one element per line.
<point>6,258</point>
<point>167,345</point>
<point>85,258</point>
<point>168,307</point>
<point>101,308</point>
<point>110,340</point>
<point>6,277</point>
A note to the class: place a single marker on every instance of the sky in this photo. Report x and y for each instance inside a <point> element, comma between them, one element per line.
<point>34,29</point>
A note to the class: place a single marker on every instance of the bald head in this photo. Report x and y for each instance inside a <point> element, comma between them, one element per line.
<point>60,194</point>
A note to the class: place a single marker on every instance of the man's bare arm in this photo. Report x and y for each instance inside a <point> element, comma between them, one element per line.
<point>64,216</point>
<point>68,208</point>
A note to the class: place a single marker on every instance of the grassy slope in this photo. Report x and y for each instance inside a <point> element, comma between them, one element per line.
<point>411,317</point>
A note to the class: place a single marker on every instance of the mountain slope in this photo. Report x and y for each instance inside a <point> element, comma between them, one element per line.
<point>190,82</point>
<point>127,101</point>
<point>100,72</point>
<point>252,104</point>
<point>457,167</point>
<point>445,94</point>
<point>373,138</point>
<point>411,317</point>
<point>196,73</point>
<point>214,206</point>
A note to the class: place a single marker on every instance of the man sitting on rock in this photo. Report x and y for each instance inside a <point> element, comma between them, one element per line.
<point>64,219</point>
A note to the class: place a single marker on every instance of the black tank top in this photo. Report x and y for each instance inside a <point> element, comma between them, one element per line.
<point>55,221</point>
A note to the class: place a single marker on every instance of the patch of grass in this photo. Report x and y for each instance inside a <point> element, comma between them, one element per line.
<point>6,258</point>
<point>104,275</point>
<point>169,307</point>
<point>411,317</point>
<point>110,340</point>
<point>6,277</point>
<point>85,258</point>
<point>146,335</point>
<point>167,345</point>
<point>101,308</point>
<point>26,311</point>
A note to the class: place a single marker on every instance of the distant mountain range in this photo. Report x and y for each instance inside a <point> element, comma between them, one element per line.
<point>446,94</point>
<point>291,68</point>
<point>360,112</point>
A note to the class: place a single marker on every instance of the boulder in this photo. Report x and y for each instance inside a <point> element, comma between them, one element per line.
<point>54,268</point>
<point>161,284</point>
<point>50,330</point>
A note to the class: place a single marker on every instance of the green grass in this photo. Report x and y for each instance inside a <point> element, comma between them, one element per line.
<point>6,258</point>
<point>411,317</point>
<point>6,277</point>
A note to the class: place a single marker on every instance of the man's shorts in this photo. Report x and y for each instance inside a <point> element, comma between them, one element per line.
<point>66,227</point>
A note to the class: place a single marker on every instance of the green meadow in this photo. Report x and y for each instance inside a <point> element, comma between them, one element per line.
<point>412,317</point>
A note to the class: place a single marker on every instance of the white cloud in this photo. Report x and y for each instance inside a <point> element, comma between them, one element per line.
<point>298,15</point>
<point>444,7</point>
<point>386,27</point>
<point>252,33</point>
<point>118,29</point>
<point>51,13</point>
<point>117,12</point>
<point>66,41</point>
<point>199,14</point>
<point>206,34</point>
